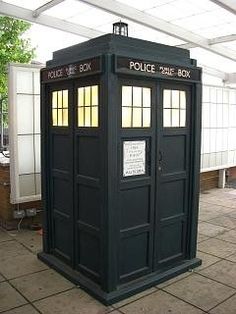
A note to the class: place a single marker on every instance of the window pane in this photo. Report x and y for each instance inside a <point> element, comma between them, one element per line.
<point>137,117</point>
<point>182,118</point>
<point>80,96</point>
<point>87,116</point>
<point>126,117</point>
<point>137,96</point>
<point>59,121</point>
<point>54,99</point>
<point>182,99</point>
<point>175,99</point>
<point>54,117</point>
<point>59,99</point>
<point>81,116</point>
<point>146,117</point>
<point>167,118</point>
<point>146,97</point>
<point>87,96</point>
<point>126,96</point>
<point>175,118</point>
<point>166,98</point>
<point>65,98</point>
<point>94,116</point>
<point>65,117</point>
<point>95,95</point>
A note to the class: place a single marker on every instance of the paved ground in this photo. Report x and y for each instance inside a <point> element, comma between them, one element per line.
<point>27,286</point>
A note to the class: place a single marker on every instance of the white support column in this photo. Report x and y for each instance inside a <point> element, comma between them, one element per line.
<point>222,178</point>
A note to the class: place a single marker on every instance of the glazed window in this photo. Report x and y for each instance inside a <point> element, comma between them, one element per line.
<point>88,106</point>
<point>60,108</point>
<point>174,108</point>
<point>136,107</point>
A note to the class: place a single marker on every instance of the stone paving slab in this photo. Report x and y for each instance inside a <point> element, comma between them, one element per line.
<point>229,236</point>
<point>22,265</point>
<point>205,215</point>
<point>9,297</point>
<point>40,285</point>
<point>1,277</point>
<point>4,236</point>
<point>25,309</point>
<point>231,258</point>
<point>200,291</point>
<point>201,237</point>
<point>71,302</point>
<point>223,271</point>
<point>207,260</point>
<point>210,230</point>
<point>31,239</point>
<point>232,214</point>
<point>217,247</point>
<point>159,302</point>
<point>10,249</point>
<point>227,307</point>
<point>224,221</point>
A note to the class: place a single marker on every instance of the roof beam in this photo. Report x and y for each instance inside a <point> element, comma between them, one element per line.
<point>46,20</point>
<point>231,78</point>
<point>137,16</point>
<point>46,6</point>
<point>229,5</point>
<point>212,41</point>
<point>214,72</point>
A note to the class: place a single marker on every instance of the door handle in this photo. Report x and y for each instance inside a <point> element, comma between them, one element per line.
<point>160,156</point>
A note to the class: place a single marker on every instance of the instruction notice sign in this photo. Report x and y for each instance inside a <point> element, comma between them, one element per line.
<point>134,162</point>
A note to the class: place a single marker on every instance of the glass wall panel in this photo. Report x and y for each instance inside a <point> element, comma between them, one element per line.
<point>24,114</point>
<point>25,153</point>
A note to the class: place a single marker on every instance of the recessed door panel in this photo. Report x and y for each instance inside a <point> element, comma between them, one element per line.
<point>172,180</point>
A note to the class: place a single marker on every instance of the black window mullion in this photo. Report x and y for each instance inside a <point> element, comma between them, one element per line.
<point>90,105</point>
<point>132,105</point>
<point>142,107</point>
<point>84,105</point>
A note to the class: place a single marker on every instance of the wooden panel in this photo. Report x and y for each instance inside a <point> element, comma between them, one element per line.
<point>209,180</point>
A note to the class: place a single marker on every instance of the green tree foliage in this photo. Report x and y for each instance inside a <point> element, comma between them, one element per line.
<point>13,48</point>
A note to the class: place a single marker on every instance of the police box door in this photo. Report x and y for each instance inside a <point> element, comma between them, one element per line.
<point>173,174</point>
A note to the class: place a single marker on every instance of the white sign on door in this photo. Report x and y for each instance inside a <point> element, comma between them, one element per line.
<point>134,160</point>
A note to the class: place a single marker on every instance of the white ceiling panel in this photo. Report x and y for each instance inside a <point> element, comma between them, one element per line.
<point>28,4</point>
<point>212,60</point>
<point>144,5</point>
<point>93,18</point>
<point>67,9</point>
<point>167,21</point>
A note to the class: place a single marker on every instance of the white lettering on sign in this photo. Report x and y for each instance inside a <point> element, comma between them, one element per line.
<point>71,70</point>
<point>142,67</point>
<point>167,71</point>
<point>184,73</point>
<point>85,67</point>
<point>134,158</point>
<point>53,74</point>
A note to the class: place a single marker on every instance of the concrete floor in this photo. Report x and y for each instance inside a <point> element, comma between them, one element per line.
<point>27,286</point>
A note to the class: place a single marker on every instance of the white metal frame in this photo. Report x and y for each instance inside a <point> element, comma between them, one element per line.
<point>122,10</point>
<point>13,145</point>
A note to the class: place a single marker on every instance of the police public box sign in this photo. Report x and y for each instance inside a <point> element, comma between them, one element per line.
<point>134,158</point>
<point>128,65</point>
<point>82,68</point>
